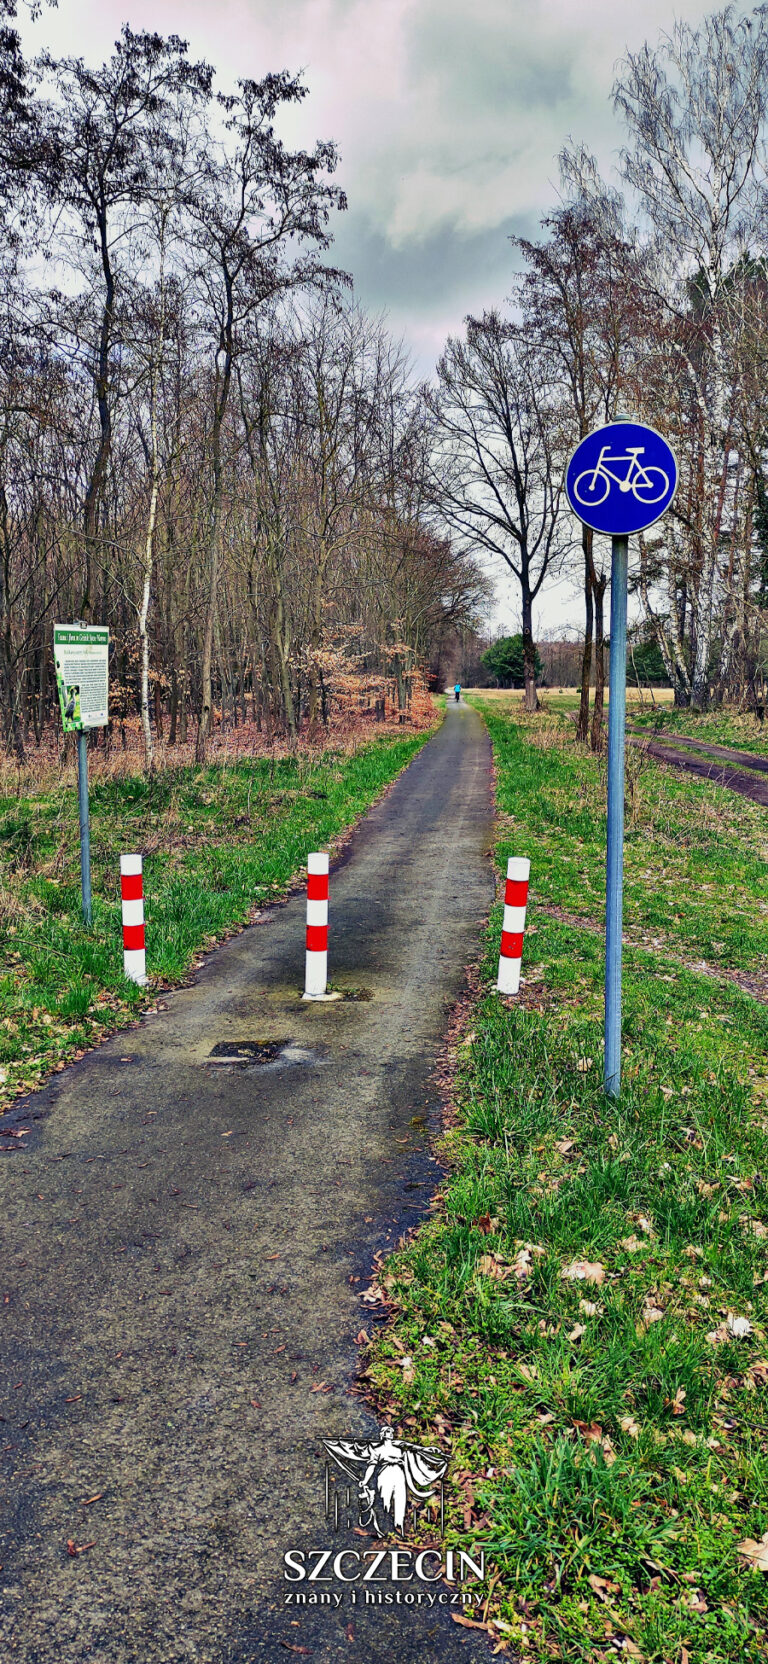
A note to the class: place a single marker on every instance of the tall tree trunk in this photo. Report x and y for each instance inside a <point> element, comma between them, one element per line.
<point>582,727</point>
<point>206,706</point>
<point>14,734</point>
<point>154,492</point>
<point>149,750</point>
<point>98,472</point>
<point>599,585</point>
<point>224,380</point>
<point>531,699</point>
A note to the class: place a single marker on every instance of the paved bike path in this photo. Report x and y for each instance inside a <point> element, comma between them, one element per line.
<point>184,1245</point>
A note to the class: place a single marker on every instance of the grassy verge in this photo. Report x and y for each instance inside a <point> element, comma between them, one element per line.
<point>739,730</point>
<point>725,726</point>
<point>585,1318</point>
<point>696,857</point>
<point>217,841</point>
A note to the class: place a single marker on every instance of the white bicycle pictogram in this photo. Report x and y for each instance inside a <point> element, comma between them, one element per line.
<point>642,482</point>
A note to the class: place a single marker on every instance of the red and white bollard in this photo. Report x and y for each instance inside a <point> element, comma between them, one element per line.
<point>515,903</point>
<point>316,976</point>
<point>132,891</point>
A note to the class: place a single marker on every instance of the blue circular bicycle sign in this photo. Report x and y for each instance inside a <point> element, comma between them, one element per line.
<point>621,478</point>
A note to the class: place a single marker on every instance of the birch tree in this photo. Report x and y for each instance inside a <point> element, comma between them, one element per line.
<point>696,108</point>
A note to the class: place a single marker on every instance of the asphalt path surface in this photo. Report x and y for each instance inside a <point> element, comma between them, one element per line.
<point>185,1244</point>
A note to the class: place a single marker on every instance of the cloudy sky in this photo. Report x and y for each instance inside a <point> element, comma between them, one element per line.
<point>449,115</point>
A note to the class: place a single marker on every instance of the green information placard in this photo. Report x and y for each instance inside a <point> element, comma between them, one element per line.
<point>81,655</point>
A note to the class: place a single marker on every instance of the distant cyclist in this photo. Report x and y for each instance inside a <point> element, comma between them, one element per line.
<point>457,692</point>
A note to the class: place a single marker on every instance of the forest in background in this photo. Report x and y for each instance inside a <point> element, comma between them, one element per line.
<point>204,442</point>
<point>207,444</point>
<point>646,298</point>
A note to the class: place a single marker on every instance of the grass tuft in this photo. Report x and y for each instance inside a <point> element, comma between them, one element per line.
<point>592,1292</point>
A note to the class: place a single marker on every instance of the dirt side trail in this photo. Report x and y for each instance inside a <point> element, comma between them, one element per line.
<point>184,1247</point>
<point>711,766</point>
<point>741,759</point>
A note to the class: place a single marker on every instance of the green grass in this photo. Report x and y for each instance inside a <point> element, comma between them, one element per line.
<point>610,1437</point>
<point>217,841</point>
<point>739,730</point>
<point>696,857</point>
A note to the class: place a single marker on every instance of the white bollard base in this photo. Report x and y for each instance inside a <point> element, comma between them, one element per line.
<point>135,965</point>
<point>316,972</point>
<point>509,976</point>
<point>333,996</point>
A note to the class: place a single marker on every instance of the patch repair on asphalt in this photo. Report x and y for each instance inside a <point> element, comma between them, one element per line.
<point>251,1054</point>
<point>246,1051</point>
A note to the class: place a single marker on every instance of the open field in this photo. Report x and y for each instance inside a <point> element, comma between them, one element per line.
<point>585,1318</point>
<point>724,726</point>
<point>217,841</point>
<point>567,699</point>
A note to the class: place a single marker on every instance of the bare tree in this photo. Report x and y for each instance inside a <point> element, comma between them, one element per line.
<point>496,476</point>
<point>97,168</point>
<point>696,108</point>
<point>256,206</point>
<point>577,302</point>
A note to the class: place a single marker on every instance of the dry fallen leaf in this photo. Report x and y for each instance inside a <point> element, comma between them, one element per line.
<point>633,1244</point>
<point>738,1327</point>
<point>590,1430</point>
<point>603,1587</point>
<point>528,1371</point>
<point>490,1266</point>
<point>630,1426</point>
<point>755,1554</point>
<point>585,1271</point>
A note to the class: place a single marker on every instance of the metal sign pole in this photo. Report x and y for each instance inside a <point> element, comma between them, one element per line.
<point>619,480</point>
<point>617,700</point>
<point>85,826</point>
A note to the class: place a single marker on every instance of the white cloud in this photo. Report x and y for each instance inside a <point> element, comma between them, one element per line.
<point>446,114</point>
<point>449,115</point>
